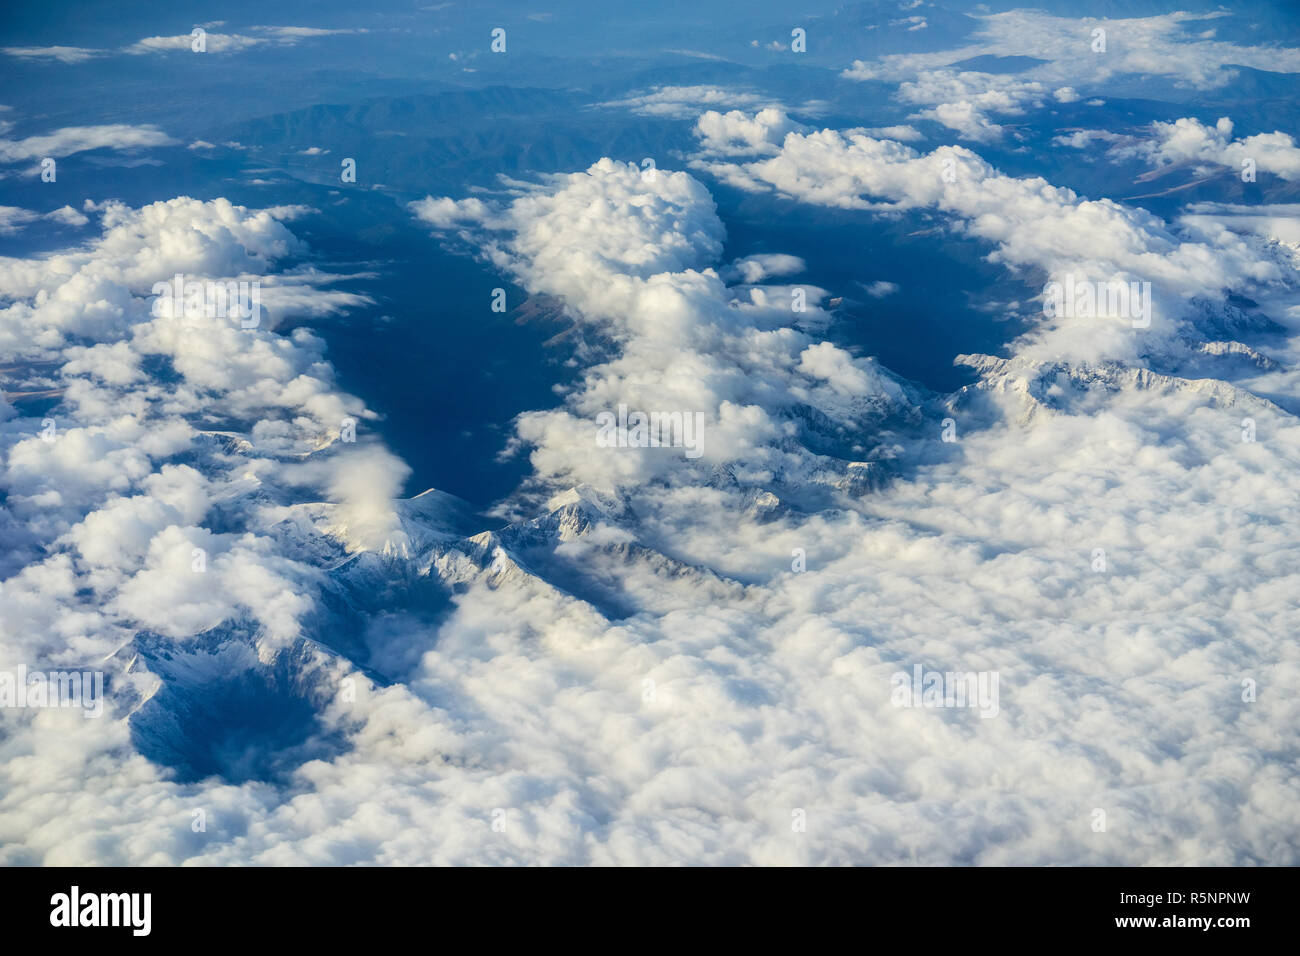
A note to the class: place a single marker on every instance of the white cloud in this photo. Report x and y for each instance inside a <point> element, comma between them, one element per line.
<point>904,134</point>
<point>630,252</point>
<point>234,42</point>
<point>1280,221</point>
<point>67,216</point>
<point>964,100</point>
<point>130,520</point>
<point>212,42</point>
<point>911,24</point>
<point>13,218</point>
<point>279,386</point>
<point>1084,138</point>
<point>1034,227</point>
<point>880,289</point>
<point>687,101</point>
<point>63,54</point>
<point>1188,140</point>
<point>966,119</point>
<point>293,34</point>
<point>1159,46</point>
<point>761,266</point>
<point>736,133</point>
<point>636,674</point>
<point>77,139</point>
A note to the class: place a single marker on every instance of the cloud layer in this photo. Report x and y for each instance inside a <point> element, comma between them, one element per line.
<point>649,657</point>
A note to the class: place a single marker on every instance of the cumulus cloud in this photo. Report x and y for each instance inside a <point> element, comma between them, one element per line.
<point>963,101</point>
<point>987,556</point>
<point>662,660</point>
<point>737,133</point>
<point>1188,140</point>
<point>762,266</point>
<point>166,519</point>
<point>629,252</point>
<point>112,473</point>
<point>1036,229</point>
<point>662,732</point>
<point>1277,221</point>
